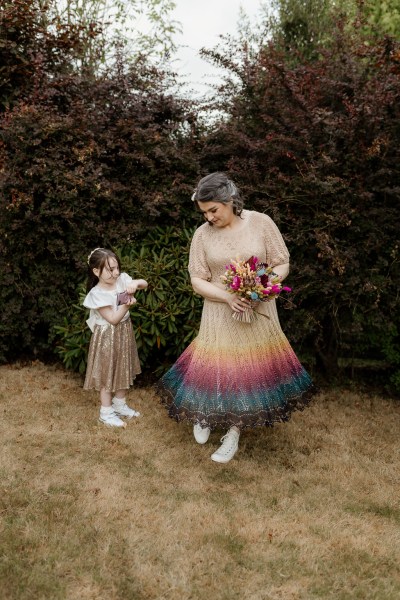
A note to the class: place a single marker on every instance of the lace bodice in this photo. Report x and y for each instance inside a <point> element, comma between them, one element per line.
<point>212,248</point>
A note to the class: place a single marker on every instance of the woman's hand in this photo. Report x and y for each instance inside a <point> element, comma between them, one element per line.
<point>239,304</point>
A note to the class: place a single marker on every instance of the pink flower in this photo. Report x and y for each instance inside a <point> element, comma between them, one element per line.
<point>275,289</point>
<point>286,289</point>
<point>265,292</point>
<point>236,281</point>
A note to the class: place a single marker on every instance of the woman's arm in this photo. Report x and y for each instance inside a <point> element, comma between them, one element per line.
<point>209,291</point>
<point>282,270</point>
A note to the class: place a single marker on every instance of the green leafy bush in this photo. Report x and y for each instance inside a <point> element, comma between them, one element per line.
<point>167,314</point>
<point>73,336</point>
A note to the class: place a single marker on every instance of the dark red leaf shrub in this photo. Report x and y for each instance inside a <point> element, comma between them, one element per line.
<point>86,160</point>
<point>315,143</point>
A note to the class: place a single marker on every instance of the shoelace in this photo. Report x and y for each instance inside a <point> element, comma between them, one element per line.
<point>226,448</point>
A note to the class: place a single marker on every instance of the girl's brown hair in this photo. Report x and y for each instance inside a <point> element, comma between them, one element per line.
<point>98,259</point>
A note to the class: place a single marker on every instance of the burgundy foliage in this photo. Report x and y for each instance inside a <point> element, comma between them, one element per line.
<point>315,144</point>
<point>86,161</point>
<point>91,159</point>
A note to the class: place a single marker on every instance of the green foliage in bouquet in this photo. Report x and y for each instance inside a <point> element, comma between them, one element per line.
<point>167,314</point>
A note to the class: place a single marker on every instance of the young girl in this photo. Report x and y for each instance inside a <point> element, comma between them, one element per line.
<point>113,361</point>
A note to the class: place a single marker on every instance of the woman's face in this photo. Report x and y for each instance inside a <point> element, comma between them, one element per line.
<point>220,214</point>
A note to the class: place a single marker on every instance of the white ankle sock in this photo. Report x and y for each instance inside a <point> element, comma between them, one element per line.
<point>119,401</point>
<point>105,410</point>
<point>231,430</point>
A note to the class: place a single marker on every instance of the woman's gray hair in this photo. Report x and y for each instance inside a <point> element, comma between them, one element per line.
<point>216,187</point>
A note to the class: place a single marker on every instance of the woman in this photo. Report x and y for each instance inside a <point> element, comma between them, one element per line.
<point>234,374</point>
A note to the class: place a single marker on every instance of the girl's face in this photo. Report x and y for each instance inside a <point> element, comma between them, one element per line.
<point>220,214</point>
<point>109,274</point>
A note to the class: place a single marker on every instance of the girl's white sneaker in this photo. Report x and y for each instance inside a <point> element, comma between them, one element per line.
<point>201,434</point>
<point>109,418</point>
<point>230,444</point>
<point>125,411</point>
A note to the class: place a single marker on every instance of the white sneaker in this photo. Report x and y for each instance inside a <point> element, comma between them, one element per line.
<point>110,419</point>
<point>230,444</point>
<point>123,410</point>
<point>201,434</point>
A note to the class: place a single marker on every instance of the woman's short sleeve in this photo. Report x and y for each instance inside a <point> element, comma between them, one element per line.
<point>198,266</point>
<point>277,252</point>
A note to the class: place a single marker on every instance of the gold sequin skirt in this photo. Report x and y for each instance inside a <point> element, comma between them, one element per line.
<point>113,360</point>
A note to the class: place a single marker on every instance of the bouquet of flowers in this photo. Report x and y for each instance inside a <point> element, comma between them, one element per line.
<point>253,280</point>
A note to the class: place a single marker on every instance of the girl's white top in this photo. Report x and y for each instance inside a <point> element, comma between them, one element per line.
<point>97,298</point>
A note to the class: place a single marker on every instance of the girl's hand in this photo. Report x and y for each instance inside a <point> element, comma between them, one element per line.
<point>132,300</point>
<point>131,288</point>
<point>135,285</point>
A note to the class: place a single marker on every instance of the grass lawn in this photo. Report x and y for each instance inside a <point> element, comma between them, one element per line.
<point>309,509</point>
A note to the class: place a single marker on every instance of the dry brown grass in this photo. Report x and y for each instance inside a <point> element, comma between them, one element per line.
<point>307,510</point>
